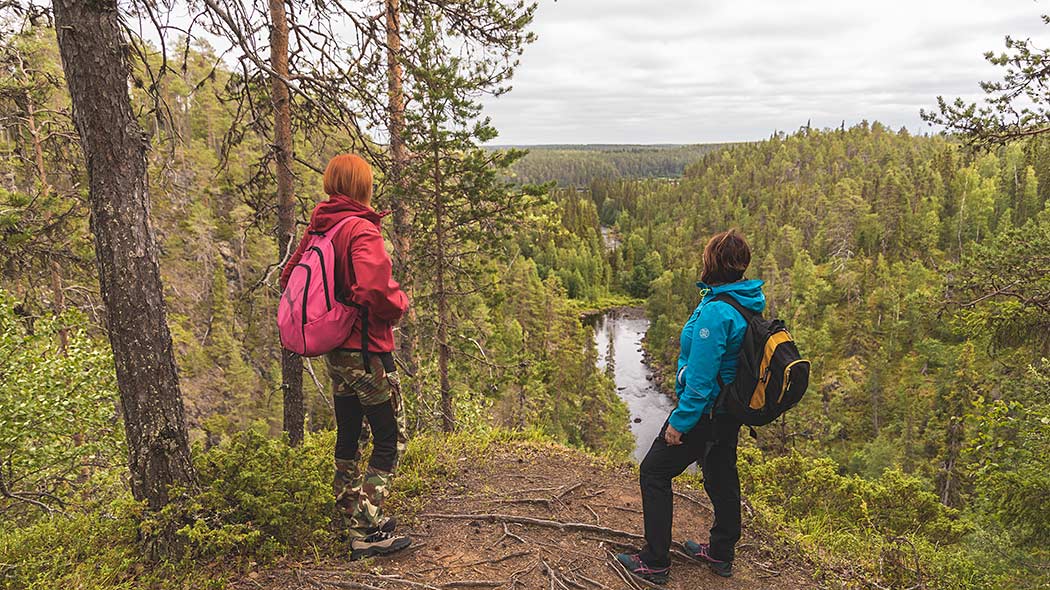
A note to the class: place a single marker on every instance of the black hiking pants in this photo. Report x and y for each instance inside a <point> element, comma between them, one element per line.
<point>712,443</point>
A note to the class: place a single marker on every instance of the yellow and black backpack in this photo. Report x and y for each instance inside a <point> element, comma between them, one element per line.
<point>771,375</point>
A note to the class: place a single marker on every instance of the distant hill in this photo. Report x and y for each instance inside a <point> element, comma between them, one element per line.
<point>579,165</point>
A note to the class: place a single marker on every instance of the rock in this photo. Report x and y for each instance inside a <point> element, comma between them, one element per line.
<point>637,420</point>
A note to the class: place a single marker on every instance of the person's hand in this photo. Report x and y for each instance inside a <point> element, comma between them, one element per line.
<point>672,436</point>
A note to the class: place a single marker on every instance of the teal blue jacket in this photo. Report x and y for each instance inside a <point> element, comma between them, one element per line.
<point>710,344</point>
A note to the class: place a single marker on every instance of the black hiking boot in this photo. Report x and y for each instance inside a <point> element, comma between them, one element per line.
<point>378,543</point>
<point>632,562</point>
<point>702,552</point>
<point>387,525</point>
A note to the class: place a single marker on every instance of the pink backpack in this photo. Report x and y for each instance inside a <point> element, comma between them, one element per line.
<point>309,318</point>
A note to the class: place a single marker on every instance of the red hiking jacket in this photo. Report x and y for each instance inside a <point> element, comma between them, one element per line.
<point>368,280</point>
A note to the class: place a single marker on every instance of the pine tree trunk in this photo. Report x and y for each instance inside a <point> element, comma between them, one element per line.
<point>94,57</point>
<point>401,234</point>
<point>448,423</point>
<point>58,298</point>
<point>291,363</point>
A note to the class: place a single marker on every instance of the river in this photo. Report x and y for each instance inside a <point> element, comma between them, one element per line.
<point>618,335</point>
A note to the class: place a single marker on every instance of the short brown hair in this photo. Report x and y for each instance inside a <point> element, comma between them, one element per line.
<point>726,257</point>
<point>348,175</point>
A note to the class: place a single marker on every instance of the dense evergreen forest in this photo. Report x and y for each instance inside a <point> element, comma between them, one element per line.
<point>913,271</point>
<point>579,165</point>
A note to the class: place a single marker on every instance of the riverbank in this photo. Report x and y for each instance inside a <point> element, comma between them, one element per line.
<point>588,310</point>
<point>618,336</point>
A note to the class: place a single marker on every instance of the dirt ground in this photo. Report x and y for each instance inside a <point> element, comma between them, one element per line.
<point>552,484</point>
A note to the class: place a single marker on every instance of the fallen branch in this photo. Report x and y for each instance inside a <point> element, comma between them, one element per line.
<point>562,526</point>
<point>507,533</point>
<point>623,508</point>
<point>694,501</point>
<point>620,571</point>
<point>474,563</point>
<point>397,579</point>
<point>595,583</point>
<point>568,491</point>
<point>555,579</point>
<point>543,501</point>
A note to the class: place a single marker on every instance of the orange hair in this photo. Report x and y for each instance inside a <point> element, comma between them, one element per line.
<point>349,175</point>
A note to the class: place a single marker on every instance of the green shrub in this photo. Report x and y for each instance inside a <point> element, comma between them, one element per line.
<point>57,422</point>
<point>863,530</point>
<point>257,496</point>
<point>257,499</point>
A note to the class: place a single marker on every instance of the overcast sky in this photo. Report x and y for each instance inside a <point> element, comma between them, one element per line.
<point>691,71</point>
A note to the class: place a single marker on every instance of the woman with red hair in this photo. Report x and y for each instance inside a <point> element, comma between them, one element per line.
<point>364,379</point>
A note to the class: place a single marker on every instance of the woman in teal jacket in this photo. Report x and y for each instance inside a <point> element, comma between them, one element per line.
<point>696,431</point>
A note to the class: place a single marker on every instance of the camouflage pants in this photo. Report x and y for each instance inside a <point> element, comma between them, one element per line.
<point>359,497</point>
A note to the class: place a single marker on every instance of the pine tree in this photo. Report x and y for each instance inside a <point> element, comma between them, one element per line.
<point>94,57</point>
<point>463,206</point>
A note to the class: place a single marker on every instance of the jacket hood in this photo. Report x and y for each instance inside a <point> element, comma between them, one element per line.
<point>331,211</point>
<point>748,293</point>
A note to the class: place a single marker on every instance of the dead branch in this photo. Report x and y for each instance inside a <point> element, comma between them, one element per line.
<point>562,526</point>
<point>568,491</point>
<point>694,501</point>
<point>478,562</point>
<point>507,533</point>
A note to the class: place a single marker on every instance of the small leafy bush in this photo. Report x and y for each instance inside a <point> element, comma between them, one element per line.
<point>800,488</point>
<point>861,532</point>
<point>257,496</point>
<point>58,414</point>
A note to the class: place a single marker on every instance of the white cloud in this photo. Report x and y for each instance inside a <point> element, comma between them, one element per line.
<point>684,71</point>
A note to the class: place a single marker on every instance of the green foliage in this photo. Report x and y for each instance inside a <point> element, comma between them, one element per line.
<point>1014,107</point>
<point>259,499</point>
<point>257,496</point>
<point>1009,272</point>
<point>859,531</point>
<point>90,551</point>
<point>57,413</point>
<point>804,491</point>
<point>861,235</point>
<point>1009,451</point>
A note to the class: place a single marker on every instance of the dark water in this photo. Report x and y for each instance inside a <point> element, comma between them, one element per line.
<point>618,335</point>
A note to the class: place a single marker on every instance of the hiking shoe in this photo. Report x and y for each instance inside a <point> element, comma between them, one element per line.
<point>702,552</point>
<point>378,543</point>
<point>387,525</point>
<point>633,563</point>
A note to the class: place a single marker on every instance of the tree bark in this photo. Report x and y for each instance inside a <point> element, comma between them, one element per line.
<point>94,57</point>
<point>448,423</point>
<point>291,363</point>
<point>401,233</point>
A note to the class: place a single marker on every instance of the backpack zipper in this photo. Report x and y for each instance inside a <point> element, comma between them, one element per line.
<point>787,378</point>
<point>324,277</point>
<point>306,293</point>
